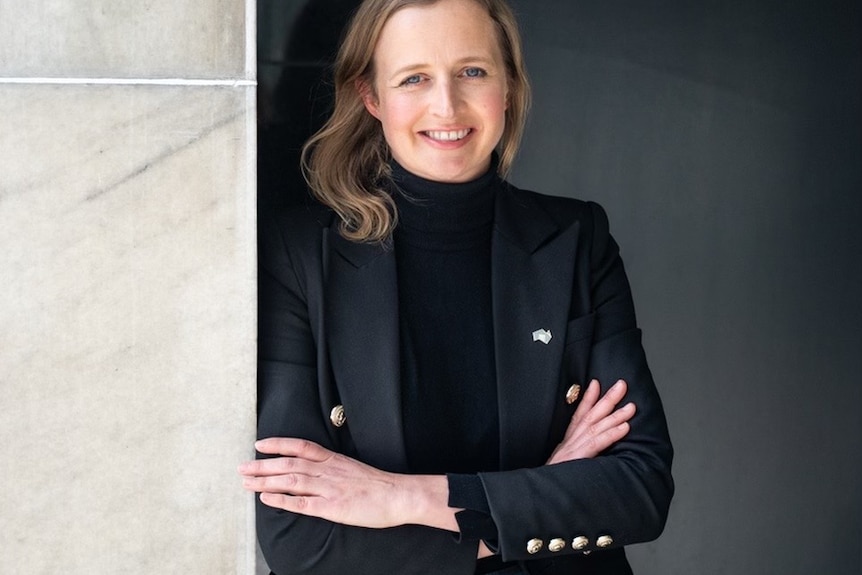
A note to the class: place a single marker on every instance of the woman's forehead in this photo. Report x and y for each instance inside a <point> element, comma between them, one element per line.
<point>450,30</point>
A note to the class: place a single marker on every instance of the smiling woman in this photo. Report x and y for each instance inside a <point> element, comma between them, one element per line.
<point>441,102</point>
<point>410,420</point>
<point>345,160</point>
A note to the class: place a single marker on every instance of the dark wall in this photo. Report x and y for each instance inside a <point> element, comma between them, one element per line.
<point>725,141</point>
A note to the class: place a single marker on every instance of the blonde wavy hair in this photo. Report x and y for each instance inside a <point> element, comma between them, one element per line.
<point>346,162</point>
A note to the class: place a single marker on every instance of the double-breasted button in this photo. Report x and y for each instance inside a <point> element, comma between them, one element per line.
<point>557,544</point>
<point>604,541</point>
<point>580,542</point>
<point>573,394</point>
<point>337,416</point>
<point>534,546</point>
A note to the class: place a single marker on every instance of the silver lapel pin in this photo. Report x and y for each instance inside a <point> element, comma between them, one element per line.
<point>542,335</point>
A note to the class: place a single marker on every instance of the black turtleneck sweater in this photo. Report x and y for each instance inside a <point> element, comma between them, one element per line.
<point>449,391</point>
<point>443,254</point>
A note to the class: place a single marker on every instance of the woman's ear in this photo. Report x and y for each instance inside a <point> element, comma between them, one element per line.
<point>369,99</point>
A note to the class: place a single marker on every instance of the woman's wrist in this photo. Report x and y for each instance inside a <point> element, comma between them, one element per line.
<point>426,502</point>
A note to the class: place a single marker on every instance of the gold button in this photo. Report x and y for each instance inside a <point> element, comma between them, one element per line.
<point>580,542</point>
<point>555,545</point>
<point>573,394</point>
<point>534,546</point>
<point>337,416</point>
<point>604,541</point>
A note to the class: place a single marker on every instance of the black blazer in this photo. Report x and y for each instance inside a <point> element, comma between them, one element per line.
<point>328,336</point>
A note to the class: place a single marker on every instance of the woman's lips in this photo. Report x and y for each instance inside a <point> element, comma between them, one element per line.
<point>447,135</point>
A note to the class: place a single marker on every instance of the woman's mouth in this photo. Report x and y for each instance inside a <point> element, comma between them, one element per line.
<point>447,135</point>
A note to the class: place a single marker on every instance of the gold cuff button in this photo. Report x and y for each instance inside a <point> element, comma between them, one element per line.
<point>604,541</point>
<point>337,416</point>
<point>573,394</point>
<point>534,546</point>
<point>579,543</point>
<point>555,545</point>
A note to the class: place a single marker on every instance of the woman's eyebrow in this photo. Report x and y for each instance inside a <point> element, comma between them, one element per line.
<point>405,69</point>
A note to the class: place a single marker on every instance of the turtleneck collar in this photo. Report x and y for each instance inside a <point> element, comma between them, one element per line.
<point>444,215</point>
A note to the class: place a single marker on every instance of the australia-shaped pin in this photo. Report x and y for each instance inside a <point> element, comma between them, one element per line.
<point>542,335</point>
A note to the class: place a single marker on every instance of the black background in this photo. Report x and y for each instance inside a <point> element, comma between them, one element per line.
<point>725,141</point>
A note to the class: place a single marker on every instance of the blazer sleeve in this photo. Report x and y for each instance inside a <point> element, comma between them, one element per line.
<point>289,405</point>
<point>623,495</point>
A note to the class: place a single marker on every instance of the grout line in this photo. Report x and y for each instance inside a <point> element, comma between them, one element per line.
<point>131,81</point>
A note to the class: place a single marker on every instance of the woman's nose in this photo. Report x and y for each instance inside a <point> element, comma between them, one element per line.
<point>444,100</point>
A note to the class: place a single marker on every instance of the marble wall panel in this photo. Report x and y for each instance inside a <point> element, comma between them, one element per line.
<point>123,38</point>
<point>126,329</point>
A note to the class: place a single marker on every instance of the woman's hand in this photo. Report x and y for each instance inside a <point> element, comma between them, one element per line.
<point>596,425</point>
<point>311,480</point>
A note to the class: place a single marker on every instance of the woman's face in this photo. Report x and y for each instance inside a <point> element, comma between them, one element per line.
<point>440,89</point>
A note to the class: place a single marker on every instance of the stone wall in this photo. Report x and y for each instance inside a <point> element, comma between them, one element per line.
<point>127,204</point>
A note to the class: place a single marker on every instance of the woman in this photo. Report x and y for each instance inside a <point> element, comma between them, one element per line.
<point>426,338</point>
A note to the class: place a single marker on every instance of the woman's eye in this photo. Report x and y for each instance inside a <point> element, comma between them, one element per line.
<point>412,80</point>
<point>475,72</point>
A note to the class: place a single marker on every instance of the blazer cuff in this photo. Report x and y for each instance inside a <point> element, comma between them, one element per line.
<point>475,521</point>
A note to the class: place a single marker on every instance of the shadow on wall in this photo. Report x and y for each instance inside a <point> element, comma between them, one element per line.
<point>296,49</point>
<point>299,53</point>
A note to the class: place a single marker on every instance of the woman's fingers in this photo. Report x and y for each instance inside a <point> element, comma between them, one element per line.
<point>588,400</point>
<point>293,447</point>
<point>293,503</point>
<point>593,409</point>
<point>607,403</point>
<point>278,466</point>
<point>591,445</point>
<point>613,419</point>
<point>596,424</point>
<point>610,430</point>
<point>296,454</point>
<point>288,483</point>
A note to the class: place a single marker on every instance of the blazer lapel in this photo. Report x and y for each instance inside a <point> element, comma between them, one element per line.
<point>532,267</point>
<point>362,326</point>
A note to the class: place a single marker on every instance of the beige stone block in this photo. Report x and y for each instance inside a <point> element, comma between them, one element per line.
<point>127,329</point>
<point>123,38</point>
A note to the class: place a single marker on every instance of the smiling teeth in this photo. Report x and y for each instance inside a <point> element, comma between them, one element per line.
<point>448,136</point>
